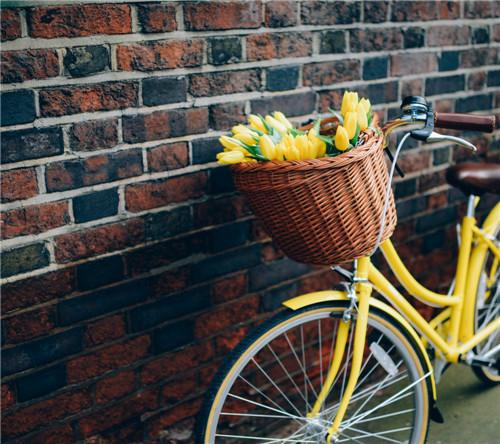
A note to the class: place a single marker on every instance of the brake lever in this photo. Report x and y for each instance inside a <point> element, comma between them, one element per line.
<point>435,137</point>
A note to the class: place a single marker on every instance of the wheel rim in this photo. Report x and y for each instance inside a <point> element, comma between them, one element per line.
<point>267,396</point>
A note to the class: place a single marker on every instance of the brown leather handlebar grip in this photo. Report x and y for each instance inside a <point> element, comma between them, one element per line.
<point>465,122</point>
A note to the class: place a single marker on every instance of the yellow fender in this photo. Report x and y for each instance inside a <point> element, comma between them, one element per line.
<point>333,295</point>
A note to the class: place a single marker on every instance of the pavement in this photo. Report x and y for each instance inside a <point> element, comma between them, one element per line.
<point>471,410</point>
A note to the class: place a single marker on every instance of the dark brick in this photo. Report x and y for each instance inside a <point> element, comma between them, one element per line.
<point>414,38</point>
<point>23,259</point>
<point>280,14</point>
<point>40,383</point>
<point>204,150</point>
<point>225,263</point>
<point>375,68</point>
<point>101,302</point>
<point>225,115</point>
<point>282,78</point>
<point>333,42</point>
<point>380,93</point>
<point>98,273</point>
<point>274,273</point>
<point>441,156</point>
<point>409,11</point>
<point>228,236</point>
<point>449,61</point>
<point>221,180</point>
<point>173,307</point>
<point>443,85</point>
<point>375,11</point>
<point>480,36</point>
<point>439,218</point>
<point>81,61</point>
<point>375,39</point>
<point>96,205</point>
<point>93,135</point>
<point>474,103</point>
<point>328,13</point>
<point>405,188</point>
<point>42,351</point>
<point>17,107</point>
<point>31,144</point>
<point>408,208</point>
<point>326,73</point>
<point>224,82</point>
<point>433,241</point>
<point>160,91</point>
<point>224,50</point>
<point>291,104</point>
<point>172,336</point>
<point>493,78</point>
<point>169,223</point>
<point>271,300</point>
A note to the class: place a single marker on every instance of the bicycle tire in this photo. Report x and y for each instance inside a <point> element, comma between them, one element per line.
<point>486,309</point>
<point>254,399</point>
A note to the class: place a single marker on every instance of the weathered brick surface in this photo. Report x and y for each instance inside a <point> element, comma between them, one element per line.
<point>131,265</point>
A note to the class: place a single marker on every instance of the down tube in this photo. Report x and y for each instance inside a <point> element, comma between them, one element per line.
<point>399,301</point>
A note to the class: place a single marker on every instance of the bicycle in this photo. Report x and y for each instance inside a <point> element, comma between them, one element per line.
<point>342,366</point>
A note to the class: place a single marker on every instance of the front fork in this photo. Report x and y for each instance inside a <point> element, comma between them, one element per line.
<point>360,293</point>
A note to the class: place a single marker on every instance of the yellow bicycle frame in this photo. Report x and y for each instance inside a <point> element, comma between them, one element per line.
<point>458,314</point>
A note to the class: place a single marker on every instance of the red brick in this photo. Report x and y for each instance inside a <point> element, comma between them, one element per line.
<point>29,325</point>
<point>115,387</point>
<point>179,389</point>
<point>157,18</point>
<point>174,363</point>
<point>78,20</point>
<point>158,423</point>
<point>330,13</point>
<point>280,14</point>
<point>325,280</point>
<point>448,35</point>
<point>495,34</point>
<point>201,16</point>
<point>407,64</point>
<point>229,82</point>
<point>169,156</point>
<point>165,124</point>
<point>412,88</point>
<point>375,11</point>
<point>108,417</point>
<point>116,356</point>
<point>229,289</point>
<point>477,81</point>
<point>369,40</point>
<point>18,184</point>
<point>147,195</point>
<point>224,317</point>
<point>449,10</point>
<point>271,46</point>
<point>410,11</point>
<point>38,289</point>
<point>58,435</point>
<point>34,219</point>
<point>481,9</point>
<point>270,252</point>
<point>331,72</point>
<point>88,98</point>
<point>105,330</point>
<point>432,180</point>
<point>104,239</point>
<point>223,117</point>
<point>226,342</point>
<point>10,26</point>
<point>70,174</point>
<point>161,54</point>
<point>472,58</point>
<point>415,162</point>
<point>169,282</point>
<point>8,397</point>
<point>29,64</point>
<point>94,135</point>
<point>438,200</point>
<point>45,412</point>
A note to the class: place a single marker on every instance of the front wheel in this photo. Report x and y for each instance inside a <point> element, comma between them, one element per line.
<point>267,386</point>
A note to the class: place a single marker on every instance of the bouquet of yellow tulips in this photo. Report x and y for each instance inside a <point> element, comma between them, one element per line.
<point>274,137</point>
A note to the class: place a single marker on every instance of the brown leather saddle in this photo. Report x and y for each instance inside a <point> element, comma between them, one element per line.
<point>475,178</point>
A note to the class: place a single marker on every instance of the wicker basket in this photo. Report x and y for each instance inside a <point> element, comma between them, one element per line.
<point>325,211</point>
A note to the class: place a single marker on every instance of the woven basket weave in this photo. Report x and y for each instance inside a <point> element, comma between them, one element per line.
<point>325,211</point>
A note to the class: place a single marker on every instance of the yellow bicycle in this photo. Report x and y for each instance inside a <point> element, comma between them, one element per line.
<point>344,366</point>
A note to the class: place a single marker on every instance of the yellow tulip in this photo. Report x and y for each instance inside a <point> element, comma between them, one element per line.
<point>341,139</point>
<point>302,146</point>
<point>245,137</point>
<point>278,126</point>
<point>279,152</point>
<point>256,123</point>
<point>350,122</point>
<point>230,157</point>
<point>349,102</point>
<point>366,104</point>
<point>241,129</point>
<point>228,142</point>
<point>361,114</point>
<point>280,117</point>
<point>319,147</point>
<point>267,147</point>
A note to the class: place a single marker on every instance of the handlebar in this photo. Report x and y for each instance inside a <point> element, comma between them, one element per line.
<point>465,122</point>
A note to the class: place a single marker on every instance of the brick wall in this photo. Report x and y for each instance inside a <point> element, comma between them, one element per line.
<point>130,264</point>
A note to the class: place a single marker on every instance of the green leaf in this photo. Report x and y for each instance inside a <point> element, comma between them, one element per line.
<point>295,132</point>
<point>356,134</point>
<point>337,115</point>
<point>375,130</point>
<point>317,125</point>
<point>328,140</point>
<point>269,128</point>
<point>369,116</point>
